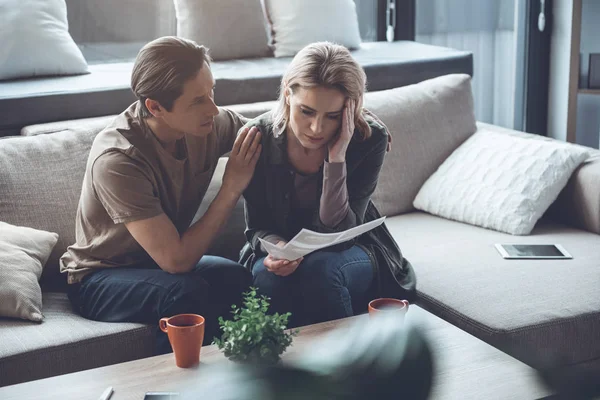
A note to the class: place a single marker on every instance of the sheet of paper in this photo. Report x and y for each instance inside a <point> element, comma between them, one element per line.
<point>307,241</point>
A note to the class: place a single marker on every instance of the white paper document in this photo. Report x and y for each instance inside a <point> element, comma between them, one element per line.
<point>306,241</point>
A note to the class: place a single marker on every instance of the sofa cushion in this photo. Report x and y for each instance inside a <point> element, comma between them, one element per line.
<point>23,253</point>
<point>296,24</point>
<point>527,308</point>
<point>36,40</point>
<point>229,28</point>
<point>106,90</point>
<point>66,342</point>
<point>499,181</point>
<point>40,182</point>
<point>428,121</point>
<point>578,205</point>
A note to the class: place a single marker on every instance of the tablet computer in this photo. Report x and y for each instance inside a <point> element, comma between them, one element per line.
<point>161,396</point>
<point>532,251</point>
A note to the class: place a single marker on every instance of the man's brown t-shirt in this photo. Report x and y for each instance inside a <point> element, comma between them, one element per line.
<point>129,176</point>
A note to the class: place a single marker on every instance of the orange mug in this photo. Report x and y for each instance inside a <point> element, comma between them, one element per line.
<point>387,305</point>
<point>186,334</point>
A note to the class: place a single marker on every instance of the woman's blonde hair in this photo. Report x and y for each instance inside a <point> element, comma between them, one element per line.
<point>329,65</point>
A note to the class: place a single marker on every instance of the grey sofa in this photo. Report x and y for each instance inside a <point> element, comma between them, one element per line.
<point>526,309</point>
<point>105,91</point>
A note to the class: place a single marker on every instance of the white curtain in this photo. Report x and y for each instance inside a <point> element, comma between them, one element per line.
<point>487,29</point>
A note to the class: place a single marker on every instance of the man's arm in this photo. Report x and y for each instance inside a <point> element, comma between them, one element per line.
<point>177,253</point>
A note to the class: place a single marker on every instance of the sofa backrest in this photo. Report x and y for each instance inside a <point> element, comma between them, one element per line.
<point>40,183</point>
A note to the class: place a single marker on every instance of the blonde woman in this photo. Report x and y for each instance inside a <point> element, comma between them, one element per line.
<point>322,153</point>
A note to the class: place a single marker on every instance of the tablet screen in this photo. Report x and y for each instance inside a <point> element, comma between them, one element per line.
<point>532,251</point>
<point>161,396</point>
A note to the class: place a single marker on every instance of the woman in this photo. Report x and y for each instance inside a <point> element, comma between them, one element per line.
<point>321,157</point>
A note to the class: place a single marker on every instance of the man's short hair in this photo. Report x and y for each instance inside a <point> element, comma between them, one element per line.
<point>162,67</point>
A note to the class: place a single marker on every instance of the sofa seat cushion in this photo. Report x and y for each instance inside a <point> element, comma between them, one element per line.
<point>526,308</point>
<point>66,342</point>
<point>106,89</point>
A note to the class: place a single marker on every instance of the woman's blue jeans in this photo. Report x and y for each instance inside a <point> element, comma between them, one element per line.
<point>325,286</point>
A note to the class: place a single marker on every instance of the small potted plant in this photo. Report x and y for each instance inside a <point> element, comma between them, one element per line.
<point>253,335</point>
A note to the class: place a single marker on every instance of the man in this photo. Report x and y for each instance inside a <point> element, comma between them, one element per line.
<point>136,257</point>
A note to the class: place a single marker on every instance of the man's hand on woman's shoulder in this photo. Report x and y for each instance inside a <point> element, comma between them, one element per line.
<point>242,160</point>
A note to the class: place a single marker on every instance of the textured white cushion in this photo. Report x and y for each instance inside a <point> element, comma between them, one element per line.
<point>23,253</point>
<point>36,41</point>
<point>295,24</point>
<point>501,182</point>
<point>229,28</point>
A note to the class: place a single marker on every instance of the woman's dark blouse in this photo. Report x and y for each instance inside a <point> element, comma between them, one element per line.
<point>271,213</point>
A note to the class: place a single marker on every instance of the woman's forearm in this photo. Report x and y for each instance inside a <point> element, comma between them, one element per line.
<point>334,205</point>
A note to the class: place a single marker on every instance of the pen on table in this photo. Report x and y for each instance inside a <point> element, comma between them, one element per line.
<point>107,393</point>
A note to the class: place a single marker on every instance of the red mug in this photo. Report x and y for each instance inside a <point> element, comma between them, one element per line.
<point>186,334</point>
<point>388,305</point>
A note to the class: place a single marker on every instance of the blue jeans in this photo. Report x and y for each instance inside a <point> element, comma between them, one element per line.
<point>146,295</point>
<point>325,286</point>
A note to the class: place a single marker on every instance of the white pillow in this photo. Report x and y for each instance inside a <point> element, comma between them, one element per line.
<point>23,253</point>
<point>500,181</point>
<point>36,41</point>
<point>295,24</point>
<point>231,29</point>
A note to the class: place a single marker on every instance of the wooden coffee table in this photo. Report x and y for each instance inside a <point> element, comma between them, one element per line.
<point>466,368</point>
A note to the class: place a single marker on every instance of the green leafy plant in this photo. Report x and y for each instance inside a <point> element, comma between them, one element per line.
<point>253,335</point>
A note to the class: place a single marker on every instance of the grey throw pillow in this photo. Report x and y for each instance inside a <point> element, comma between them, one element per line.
<point>23,253</point>
<point>428,121</point>
<point>229,28</point>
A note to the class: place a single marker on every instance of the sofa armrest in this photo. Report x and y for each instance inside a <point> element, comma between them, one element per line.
<point>578,204</point>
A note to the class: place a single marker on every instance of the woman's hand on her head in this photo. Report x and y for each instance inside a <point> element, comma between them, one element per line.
<point>242,160</point>
<point>281,267</point>
<point>339,145</point>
